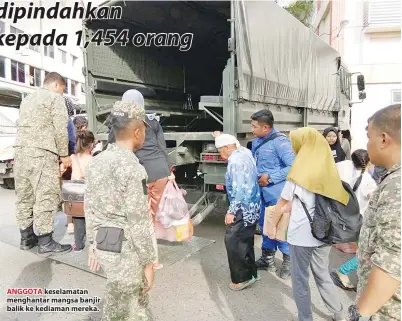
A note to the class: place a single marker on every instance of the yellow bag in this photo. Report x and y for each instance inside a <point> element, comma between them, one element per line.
<point>184,232</point>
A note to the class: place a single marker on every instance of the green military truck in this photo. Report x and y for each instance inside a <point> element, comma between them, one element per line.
<point>209,65</point>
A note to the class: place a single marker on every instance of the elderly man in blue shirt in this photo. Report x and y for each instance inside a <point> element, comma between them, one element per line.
<point>274,156</point>
<point>242,215</point>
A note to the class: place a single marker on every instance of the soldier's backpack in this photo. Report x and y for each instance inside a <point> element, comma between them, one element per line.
<point>333,222</point>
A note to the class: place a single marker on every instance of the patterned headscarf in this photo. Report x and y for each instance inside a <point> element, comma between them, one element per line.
<point>70,106</point>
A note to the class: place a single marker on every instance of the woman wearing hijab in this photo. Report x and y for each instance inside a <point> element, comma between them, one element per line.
<point>331,134</point>
<point>242,216</point>
<point>313,172</point>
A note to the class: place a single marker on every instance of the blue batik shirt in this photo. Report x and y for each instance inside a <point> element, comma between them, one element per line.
<point>242,187</point>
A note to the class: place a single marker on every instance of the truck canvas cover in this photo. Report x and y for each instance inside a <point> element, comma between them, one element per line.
<point>280,61</point>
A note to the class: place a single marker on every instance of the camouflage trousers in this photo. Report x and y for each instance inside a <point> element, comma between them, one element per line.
<point>37,187</point>
<point>123,299</point>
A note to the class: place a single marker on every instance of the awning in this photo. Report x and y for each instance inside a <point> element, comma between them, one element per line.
<point>10,98</point>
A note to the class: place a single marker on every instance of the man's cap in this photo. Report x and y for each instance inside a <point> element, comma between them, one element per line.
<point>129,110</point>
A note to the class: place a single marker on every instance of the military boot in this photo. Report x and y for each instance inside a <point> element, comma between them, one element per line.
<point>266,261</point>
<point>285,269</point>
<point>47,246</point>
<point>28,238</point>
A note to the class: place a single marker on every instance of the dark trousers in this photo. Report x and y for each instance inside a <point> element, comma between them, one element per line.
<point>239,242</point>
<point>79,232</point>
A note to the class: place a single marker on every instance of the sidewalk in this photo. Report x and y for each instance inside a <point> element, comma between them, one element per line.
<point>199,283</point>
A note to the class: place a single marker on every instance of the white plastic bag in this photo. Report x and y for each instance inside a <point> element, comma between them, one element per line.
<point>173,222</point>
<point>172,206</point>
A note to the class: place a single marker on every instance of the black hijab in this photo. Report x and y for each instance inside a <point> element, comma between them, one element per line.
<point>337,151</point>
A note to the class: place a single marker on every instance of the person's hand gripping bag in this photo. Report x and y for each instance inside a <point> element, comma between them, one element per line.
<point>173,212</point>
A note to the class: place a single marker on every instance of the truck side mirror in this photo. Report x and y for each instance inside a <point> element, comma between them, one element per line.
<point>361,85</point>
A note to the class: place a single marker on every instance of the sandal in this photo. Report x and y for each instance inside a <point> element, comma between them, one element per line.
<point>338,282</point>
<point>244,284</point>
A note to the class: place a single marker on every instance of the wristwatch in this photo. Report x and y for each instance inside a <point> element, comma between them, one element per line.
<point>354,315</point>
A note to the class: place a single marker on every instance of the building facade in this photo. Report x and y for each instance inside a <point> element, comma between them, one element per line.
<point>367,34</point>
<point>24,69</point>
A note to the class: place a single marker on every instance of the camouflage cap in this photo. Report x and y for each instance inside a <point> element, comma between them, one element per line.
<point>129,110</point>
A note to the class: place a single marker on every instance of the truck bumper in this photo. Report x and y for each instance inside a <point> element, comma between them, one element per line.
<point>8,174</point>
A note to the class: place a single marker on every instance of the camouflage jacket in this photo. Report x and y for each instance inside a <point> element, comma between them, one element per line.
<point>42,122</point>
<point>116,196</point>
<point>380,240</point>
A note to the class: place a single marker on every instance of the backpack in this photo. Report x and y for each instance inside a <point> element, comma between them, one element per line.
<point>333,222</point>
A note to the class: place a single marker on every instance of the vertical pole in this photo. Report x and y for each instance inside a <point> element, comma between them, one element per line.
<point>41,32</point>
<point>229,111</point>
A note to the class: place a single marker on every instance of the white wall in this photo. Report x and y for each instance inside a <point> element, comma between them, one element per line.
<point>379,96</point>
<point>72,72</point>
<point>378,57</point>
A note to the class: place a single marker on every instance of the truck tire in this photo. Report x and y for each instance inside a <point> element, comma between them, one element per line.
<point>9,183</point>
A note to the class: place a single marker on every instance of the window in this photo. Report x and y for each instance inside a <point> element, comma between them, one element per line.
<point>63,56</point>
<point>74,85</point>
<point>15,30</point>
<point>74,60</point>
<point>2,27</point>
<point>17,71</point>
<point>66,88</point>
<point>396,96</point>
<point>49,51</point>
<point>34,48</point>
<point>2,67</point>
<point>35,78</point>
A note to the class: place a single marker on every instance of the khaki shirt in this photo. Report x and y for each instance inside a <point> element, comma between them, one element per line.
<point>116,196</point>
<point>380,240</point>
<point>42,122</point>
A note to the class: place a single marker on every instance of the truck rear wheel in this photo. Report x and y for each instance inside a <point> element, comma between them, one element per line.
<point>9,183</point>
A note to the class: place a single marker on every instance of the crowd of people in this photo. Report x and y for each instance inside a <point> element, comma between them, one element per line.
<point>273,184</point>
<point>291,174</point>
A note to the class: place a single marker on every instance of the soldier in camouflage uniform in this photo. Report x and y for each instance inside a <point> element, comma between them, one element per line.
<point>41,139</point>
<point>116,196</point>
<point>379,253</point>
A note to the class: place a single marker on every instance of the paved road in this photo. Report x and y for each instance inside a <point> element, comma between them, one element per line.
<point>195,288</point>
